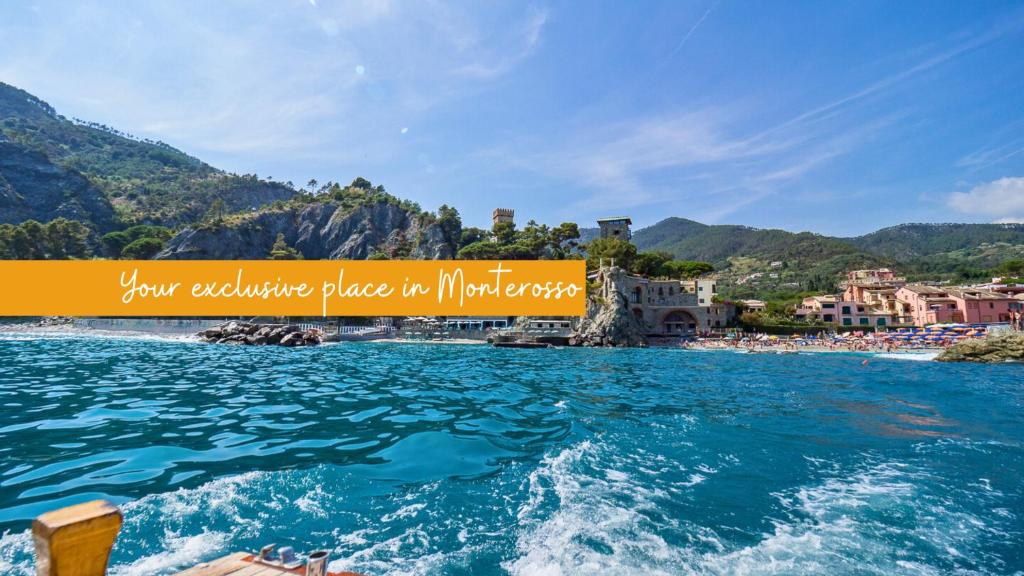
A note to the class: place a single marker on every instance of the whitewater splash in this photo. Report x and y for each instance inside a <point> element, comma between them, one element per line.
<point>583,517</point>
<point>585,509</point>
<point>910,356</point>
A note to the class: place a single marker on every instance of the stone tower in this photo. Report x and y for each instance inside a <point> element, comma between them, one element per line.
<point>503,215</point>
<point>616,227</point>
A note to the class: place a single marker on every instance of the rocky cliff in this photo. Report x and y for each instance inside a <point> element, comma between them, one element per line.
<point>319,230</point>
<point>609,321</point>
<point>34,188</point>
<point>994,349</point>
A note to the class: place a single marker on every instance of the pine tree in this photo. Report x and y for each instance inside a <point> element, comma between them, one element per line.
<point>282,251</point>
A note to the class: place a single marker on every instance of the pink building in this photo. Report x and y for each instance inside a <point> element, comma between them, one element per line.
<point>875,288</point>
<point>925,305</point>
<point>874,276</point>
<point>983,306</point>
<point>931,305</point>
<point>834,310</point>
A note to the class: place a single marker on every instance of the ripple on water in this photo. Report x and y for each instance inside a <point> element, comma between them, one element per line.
<point>469,460</point>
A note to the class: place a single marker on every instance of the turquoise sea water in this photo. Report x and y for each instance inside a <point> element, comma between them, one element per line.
<point>434,459</point>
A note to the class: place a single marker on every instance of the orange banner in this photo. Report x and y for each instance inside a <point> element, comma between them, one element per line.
<point>292,288</point>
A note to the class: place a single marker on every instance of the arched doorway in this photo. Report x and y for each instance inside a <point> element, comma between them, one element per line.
<point>679,322</point>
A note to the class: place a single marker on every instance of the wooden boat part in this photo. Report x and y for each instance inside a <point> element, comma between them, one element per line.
<point>77,540</point>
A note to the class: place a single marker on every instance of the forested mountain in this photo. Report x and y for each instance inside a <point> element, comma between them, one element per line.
<point>908,242</point>
<point>916,249</point>
<point>52,166</point>
<point>695,241</point>
<point>903,244</point>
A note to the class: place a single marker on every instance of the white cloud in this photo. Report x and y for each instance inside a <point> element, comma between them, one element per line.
<point>1001,199</point>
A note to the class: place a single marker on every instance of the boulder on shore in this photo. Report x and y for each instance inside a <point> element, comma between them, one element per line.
<point>993,349</point>
<point>253,334</point>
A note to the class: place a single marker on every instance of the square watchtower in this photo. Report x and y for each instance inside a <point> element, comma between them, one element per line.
<point>503,215</point>
<point>616,227</point>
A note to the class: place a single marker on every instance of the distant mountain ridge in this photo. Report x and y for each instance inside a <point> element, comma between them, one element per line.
<point>901,243</point>
<point>906,242</point>
<point>913,247</point>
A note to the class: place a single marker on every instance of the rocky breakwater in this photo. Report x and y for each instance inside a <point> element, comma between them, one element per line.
<point>252,334</point>
<point>993,349</point>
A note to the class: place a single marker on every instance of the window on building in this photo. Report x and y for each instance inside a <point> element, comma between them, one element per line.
<point>881,322</point>
<point>847,321</point>
<point>828,305</point>
<point>827,318</point>
<point>846,309</point>
<point>865,321</point>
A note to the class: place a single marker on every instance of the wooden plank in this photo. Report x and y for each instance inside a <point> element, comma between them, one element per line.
<point>219,567</point>
<point>76,541</point>
<point>253,570</point>
<point>261,570</point>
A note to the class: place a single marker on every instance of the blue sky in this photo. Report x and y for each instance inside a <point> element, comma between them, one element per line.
<point>834,117</point>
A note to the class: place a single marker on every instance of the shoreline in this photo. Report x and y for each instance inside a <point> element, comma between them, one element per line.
<point>70,331</point>
<point>810,349</point>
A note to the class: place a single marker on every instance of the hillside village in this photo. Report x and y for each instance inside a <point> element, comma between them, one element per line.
<point>868,299</point>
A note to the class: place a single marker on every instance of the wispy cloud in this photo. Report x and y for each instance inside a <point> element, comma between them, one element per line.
<point>891,81</point>
<point>655,159</point>
<point>1004,145</point>
<point>705,160</point>
<point>491,63</point>
<point>689,33</point>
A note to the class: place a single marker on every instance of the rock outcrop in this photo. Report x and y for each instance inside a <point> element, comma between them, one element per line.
<point>319,231</point>
<point>251,334</point>
<point>993,349</point>
<point>609,321</point>
<point>609,324</point>
<point>32,187</point>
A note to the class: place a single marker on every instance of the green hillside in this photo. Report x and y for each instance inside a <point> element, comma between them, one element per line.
<point>144,181</point>
<point>691,240</point>
<point>910,242</point>
<point>782,260</point>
